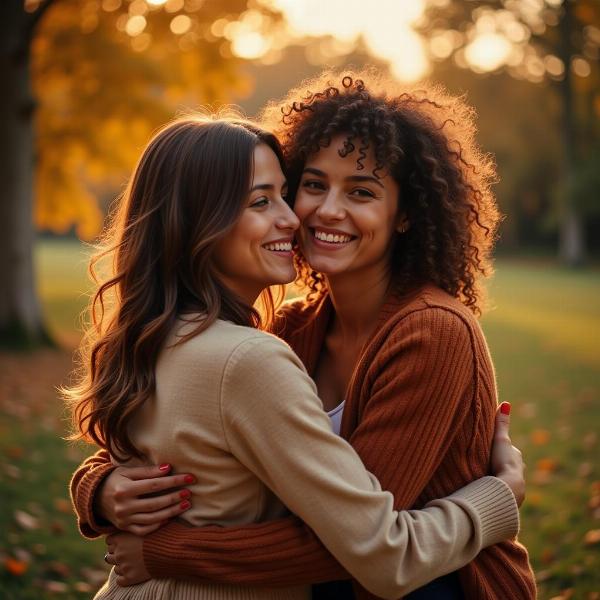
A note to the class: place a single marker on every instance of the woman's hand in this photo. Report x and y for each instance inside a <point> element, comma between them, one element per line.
<point>123,498</point>
<point>125,553</point>
<point>507,461</point>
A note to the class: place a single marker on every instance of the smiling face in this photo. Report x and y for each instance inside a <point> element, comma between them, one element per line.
<point>348,216</point>
<point>257,252</point>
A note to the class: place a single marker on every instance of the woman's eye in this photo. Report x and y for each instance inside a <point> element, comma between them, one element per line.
<point>260,202</point>
<point>311,184</point>
<point>362,193</point>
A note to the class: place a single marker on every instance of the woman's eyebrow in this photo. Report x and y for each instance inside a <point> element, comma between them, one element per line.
<point>262,186</point>
<point>365,178</point>
<point>314,171</point>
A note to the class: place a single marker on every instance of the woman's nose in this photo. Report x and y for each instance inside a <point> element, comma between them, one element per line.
<point>331,208</point>
<point>287,218</point>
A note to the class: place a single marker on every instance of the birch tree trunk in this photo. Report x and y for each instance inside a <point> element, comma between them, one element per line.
<point>21,321</point>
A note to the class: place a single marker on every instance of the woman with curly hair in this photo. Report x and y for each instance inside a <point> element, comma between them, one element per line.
<point>397,222</point>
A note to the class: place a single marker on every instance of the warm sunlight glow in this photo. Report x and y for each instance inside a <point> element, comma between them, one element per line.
<point>180,24</point>
<point>385,26</point>
<point>156,2</point>
<point>135,25</point>
<point>249,45</point>
<point>488,51</point>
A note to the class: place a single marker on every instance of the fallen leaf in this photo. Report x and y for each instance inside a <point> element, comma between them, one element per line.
<point>82,587</point>
<point>548,465</point>
<point>25,520</point>
<point>12,471</point>
<point>58,568</point>
<point>527,410</point>
<point>15,451</point>
<point>62,505</point>
<point>15,567</point>
<point>589,440</point>
<point>55,587</point>
<point>540,437</point>
<point>541,477</point>
<point>94,576</point>
<point>547,556</point>
<point>57,527</point>
<point>592,537</point>
<point>585,469</point>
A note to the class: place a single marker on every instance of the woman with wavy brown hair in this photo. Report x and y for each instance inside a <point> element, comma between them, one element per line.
<point>397,220</point>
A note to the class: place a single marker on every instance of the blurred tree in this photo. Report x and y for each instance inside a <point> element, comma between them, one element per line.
<point>85,85</point>
<point>538,40</point>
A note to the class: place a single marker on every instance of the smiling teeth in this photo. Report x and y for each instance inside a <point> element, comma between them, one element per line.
<point>279,247</point>
<point>332,238</point>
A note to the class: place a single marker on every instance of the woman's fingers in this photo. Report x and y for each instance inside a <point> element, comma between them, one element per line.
<point>158,517</point>
<point>149,486</point>
<point>158,503</point>
<point>502,432</point>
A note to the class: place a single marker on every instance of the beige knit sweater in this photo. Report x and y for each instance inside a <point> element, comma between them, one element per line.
<point>235,407</point>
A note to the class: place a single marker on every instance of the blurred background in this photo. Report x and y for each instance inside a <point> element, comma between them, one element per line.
<point>85,83</point>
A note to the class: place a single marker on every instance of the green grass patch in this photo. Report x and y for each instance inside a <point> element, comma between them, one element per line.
<point>543,334</point>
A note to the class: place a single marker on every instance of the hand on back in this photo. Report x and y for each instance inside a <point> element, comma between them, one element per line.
<point>140,499</point>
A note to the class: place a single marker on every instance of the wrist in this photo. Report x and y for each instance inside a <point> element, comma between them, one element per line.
<point>513,478</point>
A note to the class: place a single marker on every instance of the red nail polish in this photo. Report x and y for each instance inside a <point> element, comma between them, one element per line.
<point>189,479</point>
<point>185,494</point>
<point>165,467</point>
<point>505,408</point>
<point>184,505</point>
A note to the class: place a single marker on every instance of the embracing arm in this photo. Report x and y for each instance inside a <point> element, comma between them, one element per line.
<point>83,487</point>
<point>275,425</point>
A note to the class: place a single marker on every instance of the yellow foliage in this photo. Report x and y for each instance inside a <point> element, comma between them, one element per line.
<point>99,102</point>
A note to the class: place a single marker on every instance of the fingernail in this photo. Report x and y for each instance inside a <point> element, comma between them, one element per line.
<point>184,505</point>
<point>189,479</point>
<point>505,408</point>
<point>185,494</point>
<point>165,467</point>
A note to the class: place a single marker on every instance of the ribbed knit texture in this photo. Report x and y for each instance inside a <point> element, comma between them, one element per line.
<point>420,413</point>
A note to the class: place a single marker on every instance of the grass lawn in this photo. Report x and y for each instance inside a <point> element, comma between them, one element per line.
<point>543,334</point>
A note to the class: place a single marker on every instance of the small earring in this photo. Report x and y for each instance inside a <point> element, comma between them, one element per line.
<point>403,227</point>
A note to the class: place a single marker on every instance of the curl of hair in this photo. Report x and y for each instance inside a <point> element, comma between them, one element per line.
<point>425,139</point>
<point>186,193</point>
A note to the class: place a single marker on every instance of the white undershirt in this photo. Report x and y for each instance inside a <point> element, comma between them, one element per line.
<point>335,415</point>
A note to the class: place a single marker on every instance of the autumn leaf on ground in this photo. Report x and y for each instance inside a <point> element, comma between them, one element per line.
<point>15,567</point>
<point>592,537</point>
<point>62,505</point>
<point>540,437</point>
<point>548,465</point>
<point>55,587</point>
<point>25,520</point>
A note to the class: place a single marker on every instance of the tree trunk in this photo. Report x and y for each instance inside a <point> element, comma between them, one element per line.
<point>21,321</point>
<point>572,245</point>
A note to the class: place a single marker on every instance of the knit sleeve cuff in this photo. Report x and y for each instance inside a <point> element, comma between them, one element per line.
<point>90,525</point>
<point>493,504</point>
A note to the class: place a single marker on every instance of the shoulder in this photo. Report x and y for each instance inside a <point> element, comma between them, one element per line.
<point>430,321</point>
<point>217,343</point>
<point>257,354</point>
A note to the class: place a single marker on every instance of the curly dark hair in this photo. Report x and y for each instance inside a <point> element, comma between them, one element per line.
<point>425,139</point>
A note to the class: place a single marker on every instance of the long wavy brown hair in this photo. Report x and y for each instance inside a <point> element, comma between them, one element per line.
<point>425,139</point>
<point>186,193</point>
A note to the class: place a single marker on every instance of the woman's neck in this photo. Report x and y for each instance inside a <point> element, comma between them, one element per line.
<point>357,302</point>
